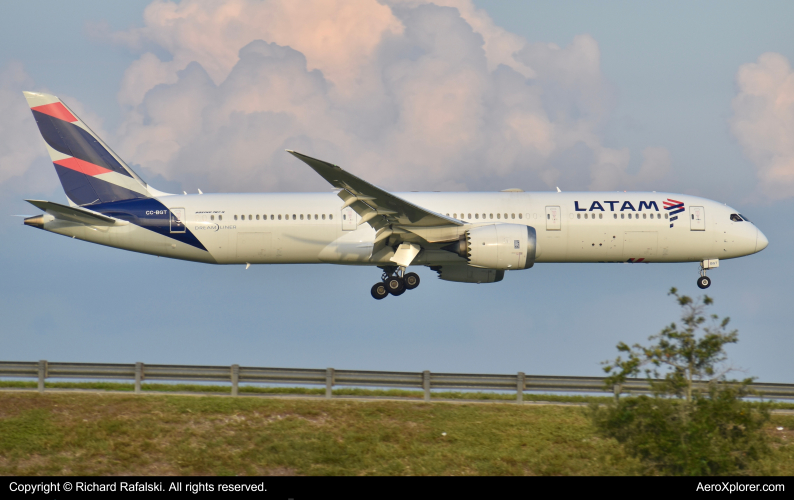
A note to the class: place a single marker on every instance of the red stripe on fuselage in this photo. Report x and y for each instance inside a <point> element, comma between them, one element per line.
<point>82,166</point>
<point>56,110</point>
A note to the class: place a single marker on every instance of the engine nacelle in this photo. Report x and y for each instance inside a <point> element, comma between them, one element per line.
<point>498,246</point>
<point>468,274</point>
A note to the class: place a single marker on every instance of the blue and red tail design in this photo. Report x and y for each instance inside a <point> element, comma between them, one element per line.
<point>675,207</point>
<point>89,170</point>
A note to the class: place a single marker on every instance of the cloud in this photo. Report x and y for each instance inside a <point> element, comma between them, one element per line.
<point>406,93</point>
<point>21,144</point>
<point>763,122</point>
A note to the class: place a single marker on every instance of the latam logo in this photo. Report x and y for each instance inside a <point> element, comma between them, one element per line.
<point>625,206</point>
<point>674,207</point>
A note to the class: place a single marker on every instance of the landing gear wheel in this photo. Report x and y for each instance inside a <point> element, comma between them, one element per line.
<point>395,285</point>
<point>411,281</point>
<point>379,291</point>
<point>704,282</point>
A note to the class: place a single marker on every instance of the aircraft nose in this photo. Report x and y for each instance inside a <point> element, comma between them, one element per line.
<point>760,241</point>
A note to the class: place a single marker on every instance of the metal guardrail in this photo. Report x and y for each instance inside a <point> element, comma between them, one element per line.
<point>330,378</point>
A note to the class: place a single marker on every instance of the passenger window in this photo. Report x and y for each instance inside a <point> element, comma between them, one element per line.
<point>315,216</point>
<point>469,216</point>
<point>454,216</point>
<point>578,216</point>
<point>476,216</point>
<point>279,216</point>
<point>600,216</point>
<point>498,216</point>
<point>235,217</point>
<point>220,217</point>
<point>548,216</point>
<point>323,216</point>
<point>519,216</point>
<point>330,216</point>
<point>622,215</point>
<point>212,217</point>
<point>293,217</point>
<point>614,216</point>
<point>301,216</point>
<point>491,216</point>
<point>257,216</point>
<point>643,216</point>
<point>512,216</point>
<point>665,216</point>
<point>483,216</point>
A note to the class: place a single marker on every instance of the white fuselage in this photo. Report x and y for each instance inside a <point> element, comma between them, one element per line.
<point>292,228</point>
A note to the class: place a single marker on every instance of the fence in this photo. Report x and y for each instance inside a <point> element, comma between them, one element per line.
<point>330,378</point>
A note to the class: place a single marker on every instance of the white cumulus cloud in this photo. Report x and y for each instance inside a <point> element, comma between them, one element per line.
<point>409,94</point>
<point>763,122</point>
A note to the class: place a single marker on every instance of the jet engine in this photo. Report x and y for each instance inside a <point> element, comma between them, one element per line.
<point>498,246</point>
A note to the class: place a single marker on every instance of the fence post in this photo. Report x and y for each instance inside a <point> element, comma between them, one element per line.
<point>617,389</point>
<point>329,383</point>
<point>138,376</point>
<point>42,374</point>
<point>426,384</point>
<point>520,388</point>
<point>235,378</point>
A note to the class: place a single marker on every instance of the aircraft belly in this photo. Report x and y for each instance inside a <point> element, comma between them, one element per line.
<point>303,244</point>
<point>131,237</point>
<point>554,245</point>
<point>349,247</point>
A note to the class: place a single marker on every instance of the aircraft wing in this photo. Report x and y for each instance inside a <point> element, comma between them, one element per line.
<point>375,205</point>
<point>76,214</point>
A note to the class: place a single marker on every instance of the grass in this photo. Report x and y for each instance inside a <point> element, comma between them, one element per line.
<point>73,433</point>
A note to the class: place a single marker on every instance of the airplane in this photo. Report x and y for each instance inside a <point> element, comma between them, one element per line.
<point>463,237</point>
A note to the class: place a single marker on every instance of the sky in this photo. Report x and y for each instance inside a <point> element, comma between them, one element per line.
<point>452,95</point>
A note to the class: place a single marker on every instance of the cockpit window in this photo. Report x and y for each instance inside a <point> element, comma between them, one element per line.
<point>736,218</point>
<point>744,218</point>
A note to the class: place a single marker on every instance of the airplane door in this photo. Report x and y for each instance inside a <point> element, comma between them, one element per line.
<point>697,219</point>
<point>177,220</point>
<point>553,216</point>
<point>348,219</point>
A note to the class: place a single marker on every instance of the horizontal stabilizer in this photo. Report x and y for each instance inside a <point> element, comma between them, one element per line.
<point>76,214</point>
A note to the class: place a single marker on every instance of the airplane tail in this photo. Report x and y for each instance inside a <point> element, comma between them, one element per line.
<point>90,172</point>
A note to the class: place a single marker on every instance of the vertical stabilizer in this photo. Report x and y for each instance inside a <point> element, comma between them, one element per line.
<point>89,170</point>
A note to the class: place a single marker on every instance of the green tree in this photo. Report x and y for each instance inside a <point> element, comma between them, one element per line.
<point>696,422</point>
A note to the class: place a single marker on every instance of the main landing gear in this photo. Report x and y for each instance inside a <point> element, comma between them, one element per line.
<point>395,282</point>
<point>704,281</point>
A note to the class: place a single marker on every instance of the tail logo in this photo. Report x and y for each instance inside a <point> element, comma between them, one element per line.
<point>674,207</point>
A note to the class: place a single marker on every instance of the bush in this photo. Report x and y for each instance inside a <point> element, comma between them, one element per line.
<point>696,422</point>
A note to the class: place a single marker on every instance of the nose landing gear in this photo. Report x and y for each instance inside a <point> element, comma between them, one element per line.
<point>395,281</point>
<point>704,281</point>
